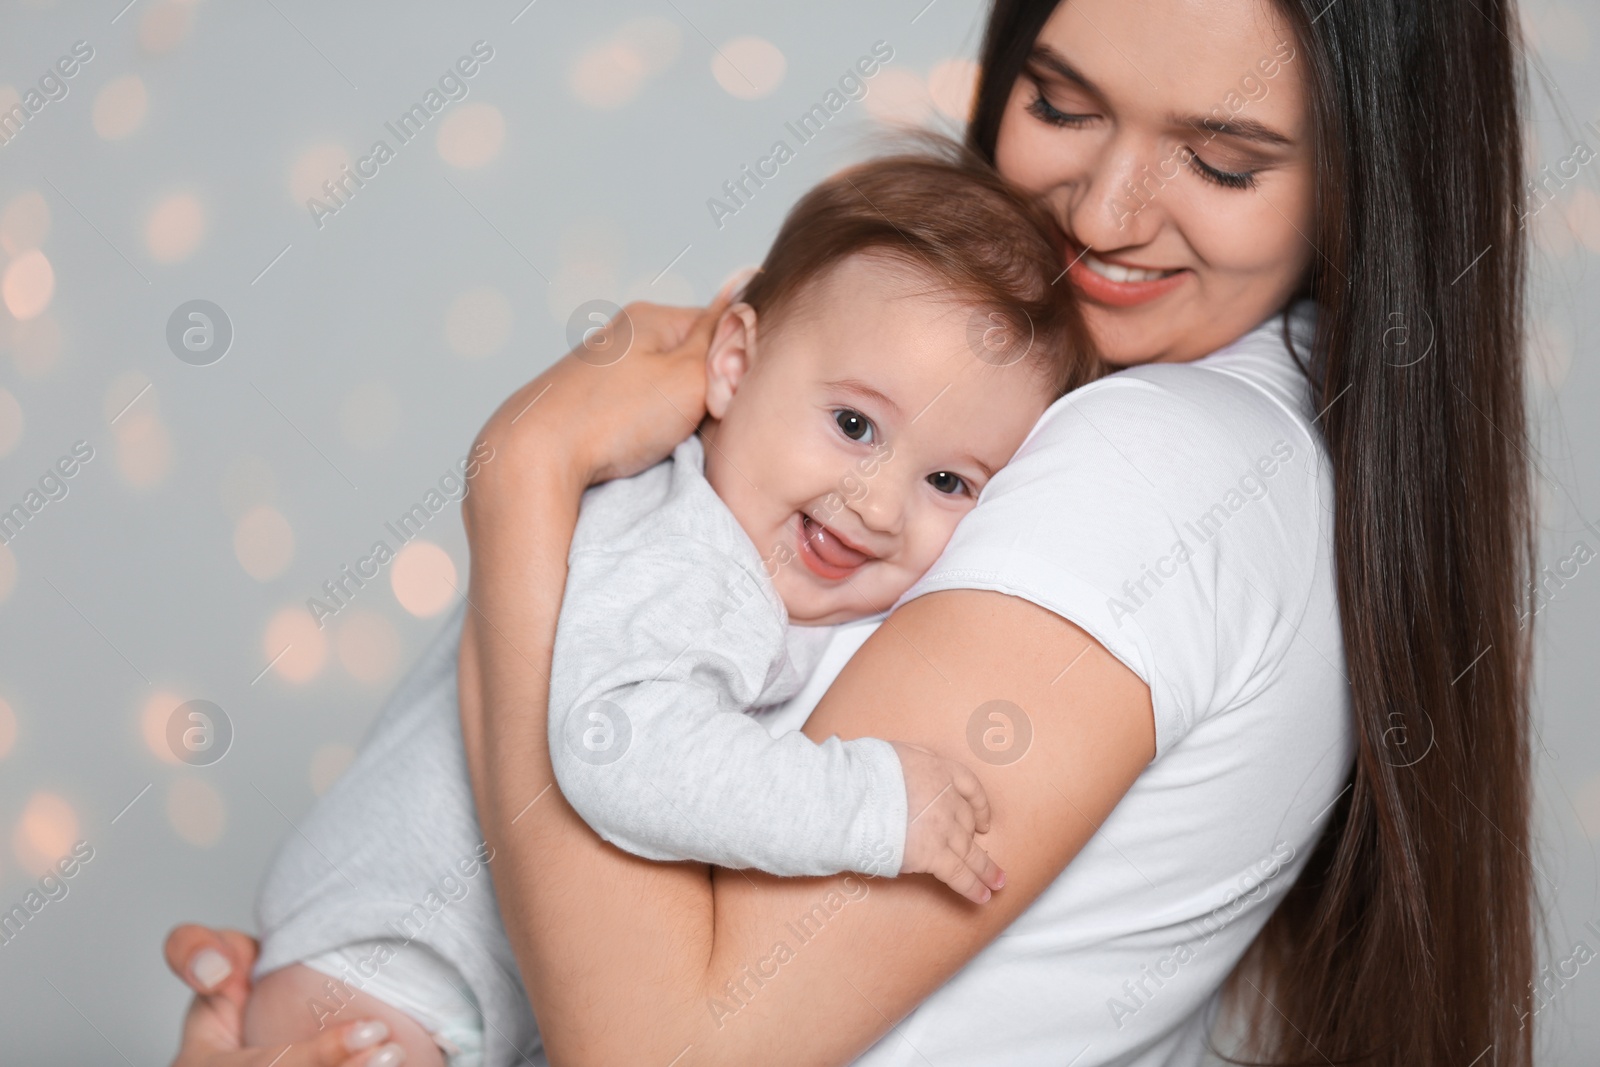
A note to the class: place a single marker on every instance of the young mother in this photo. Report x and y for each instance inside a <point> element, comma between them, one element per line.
<point>1232,643</point>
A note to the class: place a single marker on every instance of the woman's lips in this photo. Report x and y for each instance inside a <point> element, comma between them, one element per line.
<point>1130,288</point>
<point>824,553</point>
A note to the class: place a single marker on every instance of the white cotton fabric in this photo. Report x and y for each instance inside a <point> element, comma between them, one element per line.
<point>1182,515</point>
<point>669,633</point>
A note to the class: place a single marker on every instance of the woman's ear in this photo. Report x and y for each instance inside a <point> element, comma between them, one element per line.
<point>733,346</point>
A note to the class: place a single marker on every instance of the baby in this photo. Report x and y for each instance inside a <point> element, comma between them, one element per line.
<point>894,350</point>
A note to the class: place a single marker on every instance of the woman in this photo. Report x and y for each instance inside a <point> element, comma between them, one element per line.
<point>1248,610</point>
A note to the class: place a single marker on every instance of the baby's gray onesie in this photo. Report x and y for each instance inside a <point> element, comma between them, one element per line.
<point>669,633</point>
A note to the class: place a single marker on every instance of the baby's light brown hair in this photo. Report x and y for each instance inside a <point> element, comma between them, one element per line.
<point>945,213</point>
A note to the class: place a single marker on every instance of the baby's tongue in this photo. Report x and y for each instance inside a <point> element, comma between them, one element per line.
<point>828,547</point>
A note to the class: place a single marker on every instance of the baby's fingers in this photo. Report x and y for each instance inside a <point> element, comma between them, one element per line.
<point>953,871</point>
<point>973,793</point>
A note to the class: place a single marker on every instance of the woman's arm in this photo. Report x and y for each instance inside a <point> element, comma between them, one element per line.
<point>628,961</point>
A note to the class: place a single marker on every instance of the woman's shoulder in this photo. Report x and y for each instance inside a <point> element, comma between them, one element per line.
<point>1167,419</point>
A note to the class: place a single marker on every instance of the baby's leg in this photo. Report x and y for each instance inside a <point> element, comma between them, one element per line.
<point>293,1003</point>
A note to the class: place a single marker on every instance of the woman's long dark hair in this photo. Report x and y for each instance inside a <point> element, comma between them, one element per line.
<point>1408,939</point>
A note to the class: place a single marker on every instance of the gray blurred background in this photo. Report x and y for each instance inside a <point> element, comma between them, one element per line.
<point>372,334</point>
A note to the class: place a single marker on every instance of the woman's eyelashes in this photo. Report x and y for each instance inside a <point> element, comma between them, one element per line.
<point>1228,179</point>
<point>1046,112</point>
<point>855,425</point>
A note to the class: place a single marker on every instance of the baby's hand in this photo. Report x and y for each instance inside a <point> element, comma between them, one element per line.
<point>945,806</point>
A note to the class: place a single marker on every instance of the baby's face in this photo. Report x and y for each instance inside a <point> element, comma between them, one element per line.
<point>851,439</point>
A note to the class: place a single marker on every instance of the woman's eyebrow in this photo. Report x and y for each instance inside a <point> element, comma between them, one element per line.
<point>1249,129</point>
<point>1046,56</point>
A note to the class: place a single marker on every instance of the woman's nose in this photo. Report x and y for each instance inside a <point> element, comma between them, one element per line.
<point>1120,206</point>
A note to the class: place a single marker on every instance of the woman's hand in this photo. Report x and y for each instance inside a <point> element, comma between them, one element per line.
<point>216,965</point>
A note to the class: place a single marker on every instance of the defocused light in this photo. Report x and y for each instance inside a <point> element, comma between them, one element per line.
<point>154,715</point>
<point>899,98</point>
<point>317,164</point>
<point>263,541</point>
<point>196,811</point>
<point>952,85</point>
<point>368,645</point>
<point>1583,216</point>
<point>292,638</point>
<point>28,284</point>
<point>607,75</point>
<point>478,322</point>
<point>119,107</point>
<point>749,67</point>
<point>176,228</point>
<point>11,423</point>
<point>424,578</point>
<point>35,346</point>
<point>8,572</point>
<point>471,135</point>
<point>8,728</point>
<point>165,26</point>
<point>46,831</point>
<point>25,222</point>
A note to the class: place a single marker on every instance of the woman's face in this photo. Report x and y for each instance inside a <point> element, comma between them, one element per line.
<point>1171,139</point>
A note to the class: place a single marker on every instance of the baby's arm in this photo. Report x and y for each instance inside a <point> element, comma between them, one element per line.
<point>660,649</point>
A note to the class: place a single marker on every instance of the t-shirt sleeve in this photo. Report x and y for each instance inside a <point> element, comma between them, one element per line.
<point>1165,513</point>
<point>660,650</point>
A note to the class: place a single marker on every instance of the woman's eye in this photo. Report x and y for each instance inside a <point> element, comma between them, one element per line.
<point>946,482</point>
<point>854,425</point>
<point>1044,111</point>
<point>1244,179</point>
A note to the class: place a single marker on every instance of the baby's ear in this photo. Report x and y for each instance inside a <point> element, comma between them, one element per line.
<point>733,346</point>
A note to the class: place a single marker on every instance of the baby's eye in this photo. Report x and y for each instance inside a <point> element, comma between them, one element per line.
<point>855,425</point>
<point>946,482</point>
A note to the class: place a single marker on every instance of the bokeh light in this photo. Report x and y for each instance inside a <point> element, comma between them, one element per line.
<point>8,572</point>
<point>368,645</point>
<point>471,135</point>
<point>8,729</point>
<point>749,67</point>
<point>119,107</point>
<point>293,633</point>
<point>11,423</point>
<point>28,284</point>
<point>25,222</point>
<point>143,445</point>
<point>154,714</point>
<point>328,762</point>
<point>953,84</point>
<point>478,322</point>
<point>1586,802</point>
<point>45,832</point>
<point>196,811</point>
<point>899,98</point>
<point>1583,217</point>
<point>317,164</point>
<point>370,415</point>
<point>175,228</point>
<point>36,346</point>
<point>607,75</point>
<point>424,578</point>
<point>263,542</point>
<point>165,25</point>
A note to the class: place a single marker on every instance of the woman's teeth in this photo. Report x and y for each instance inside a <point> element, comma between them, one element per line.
<point>1118,273</point>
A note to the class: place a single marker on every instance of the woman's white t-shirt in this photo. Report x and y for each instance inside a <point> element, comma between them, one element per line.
<point>1182,515</point>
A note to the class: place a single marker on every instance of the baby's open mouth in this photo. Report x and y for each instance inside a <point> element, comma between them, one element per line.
<point>825,553</point>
